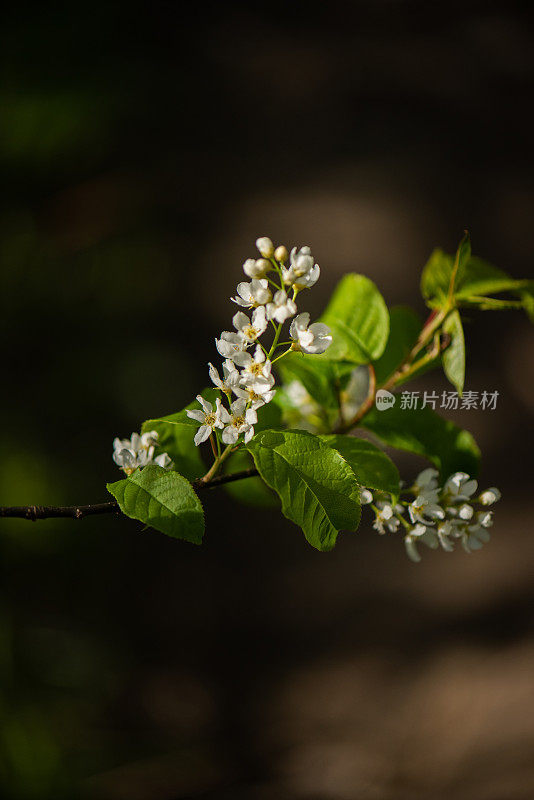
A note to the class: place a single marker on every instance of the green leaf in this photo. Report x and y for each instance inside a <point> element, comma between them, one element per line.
<point>317,487</point>
<point>482,278</point>
<point>461,259</point>
<point>163,500</point>
<point>424,432</point>
<point>441,270</point>
<point>316,375</point>
<point>492,303</point>
<point>527,298</point>
<point>359,320</point>
<point>453,357</point>
<point>372,467</point>
<point>249,491</point>
<point>404,328</point>
<point>175,437</point>
<point>436,276</point>
<point>475,278</point>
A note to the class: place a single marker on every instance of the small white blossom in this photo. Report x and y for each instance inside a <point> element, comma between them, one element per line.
<point>490,496</point>
<point>240,420</point>
<point>231,344</point>
<point>282,307</point>
<point>411,539</point>
<point>443,531</point>
<point>385,518</point>
<point>465,512</point>
<point>257,394</point>
<point>250,330</point>
<point>230,377</point>
<point>255,293</point>
<point>475,538</point>
<point>209,418</point>
<point>484,519</point>
<point>164,460</point>
<point>315,338</point>
<point>426,480</point>
<point>256,368</point>
<point>138,452</point>
<point>425,505</point>
<point>265,246</point>
<point>300,265</point>
<point>256,267</point>
<point>460,486</point>
<point>366,497</point>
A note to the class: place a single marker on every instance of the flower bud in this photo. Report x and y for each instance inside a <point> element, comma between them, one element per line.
<point>256,268</point>
<point>281,254</point>
<point>265,246</point>
<point>262,266</point>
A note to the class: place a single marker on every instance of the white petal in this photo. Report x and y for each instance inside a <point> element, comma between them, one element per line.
<point>203,433</point>
<point>196,414</point>
<point>240,321</point>
<point>230,435</point>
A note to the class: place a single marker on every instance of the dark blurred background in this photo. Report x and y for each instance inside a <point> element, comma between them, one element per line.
<point>144,148</point>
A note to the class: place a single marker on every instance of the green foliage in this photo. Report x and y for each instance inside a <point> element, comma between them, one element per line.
<point>163,500</point>
<point>424,432</point>
<point>475,279</point>
<point>372,467</point>
<point>317,487</point>
<point>359,320</point>
<point>454,356</point>
<point>251,491</point>
<point>404,327</point>
<point>316,375</point>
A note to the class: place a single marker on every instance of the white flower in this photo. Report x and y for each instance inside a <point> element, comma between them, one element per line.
<point>131,454</point>
<point>490,496</point>
<point>460,487</point>
<point>443,531</point>
<point>256,267</point>
<point>484,519</point>
<point>475,538</point>
<point>366,497</point>
<point>425,505</point>
<point>410,541</point>
<point>420,533</point>
<point>385,518</point>
<point>426,480</point>
<point>250,331</point>
<point>209,418</point>
<point>265,246</point>
<point>256,369</point>
<point>315,338</point>
<point>164,460</point>
<point>257,394</point>
<point>231,344</point>
<point>230,376</point>
<point>465,512</point>
<point>281,308</point>
<point>240,420</point>
<point>255,293</point>
<point>309,279</point>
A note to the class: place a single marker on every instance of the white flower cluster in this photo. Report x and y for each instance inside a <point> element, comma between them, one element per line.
<point>129,454</point>
<point>438,516</point>
<point>276,279</point>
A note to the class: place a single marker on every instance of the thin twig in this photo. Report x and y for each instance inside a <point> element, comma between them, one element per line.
<point>112,507</point>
